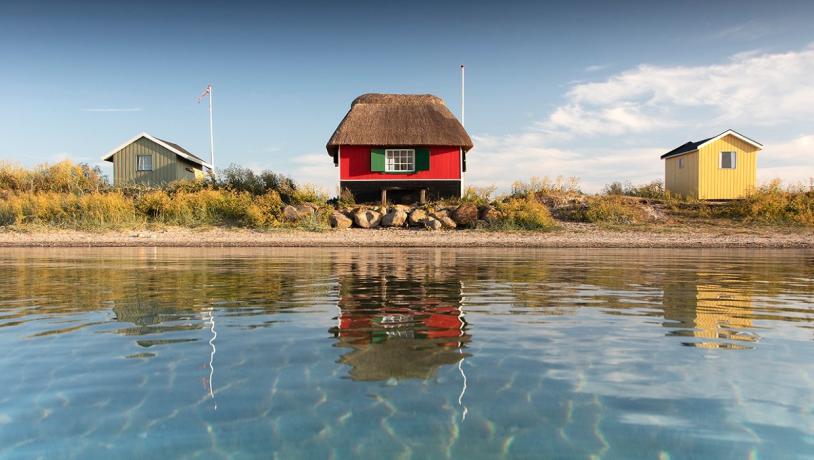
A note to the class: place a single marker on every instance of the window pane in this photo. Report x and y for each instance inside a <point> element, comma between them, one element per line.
<point>144,163</point>
<point>728,160</point>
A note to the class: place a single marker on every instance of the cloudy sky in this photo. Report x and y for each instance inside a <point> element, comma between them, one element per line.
<point>596,90</point>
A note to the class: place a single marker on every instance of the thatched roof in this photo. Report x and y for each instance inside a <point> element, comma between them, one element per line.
<point>399,120</point>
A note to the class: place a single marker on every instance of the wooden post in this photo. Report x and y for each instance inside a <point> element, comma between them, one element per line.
<point>384,197</point>
<point>423,196</point>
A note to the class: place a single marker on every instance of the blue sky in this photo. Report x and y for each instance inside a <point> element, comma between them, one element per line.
<point>590,89</point>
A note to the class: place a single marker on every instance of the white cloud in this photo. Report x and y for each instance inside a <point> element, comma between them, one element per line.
<point>596,68</point>
<point>616,129</point>
<point>125,109</point>
<point>762,89</point>
<point>315,169</point>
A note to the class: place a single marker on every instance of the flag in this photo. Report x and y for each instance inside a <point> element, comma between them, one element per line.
<point>205,93</point>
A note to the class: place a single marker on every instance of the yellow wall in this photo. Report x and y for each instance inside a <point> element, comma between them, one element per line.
<point>682,181</point>
<point>702,176</point>
<point>724,184</point>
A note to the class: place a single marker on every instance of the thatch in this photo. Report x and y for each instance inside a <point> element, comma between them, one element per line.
<point>399,120</point>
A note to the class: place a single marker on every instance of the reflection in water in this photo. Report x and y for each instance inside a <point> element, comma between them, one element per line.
<point>384,353</point>
<point>398,327</point>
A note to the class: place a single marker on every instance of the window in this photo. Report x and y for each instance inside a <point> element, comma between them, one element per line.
<point>144,163</point>
<point>727,160</point>
<point>399,160</point>
<point>680,163</point>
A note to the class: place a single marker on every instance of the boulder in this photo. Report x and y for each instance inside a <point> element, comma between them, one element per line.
<point>417,217</point>
<point>440,214</point>
<point>367,218</point>
<point>340,221</point>
<point>290,213</point>
<point>433,224</point>
<point>466,215</point>
<point>305,209</point>
<point>489,214</point>
<point>394,218</point>
<point>447,222</point>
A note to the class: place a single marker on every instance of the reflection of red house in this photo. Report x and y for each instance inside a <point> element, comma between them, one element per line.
<point>399,328</point>
<point>409,144</point>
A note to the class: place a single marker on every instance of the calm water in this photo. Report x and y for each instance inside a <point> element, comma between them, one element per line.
<point>165,353</point>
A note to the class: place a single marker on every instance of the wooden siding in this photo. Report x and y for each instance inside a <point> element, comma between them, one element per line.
<point>726,184</point>
<point>682,181</point>
<point>167,166</point>
<point>354,164</point>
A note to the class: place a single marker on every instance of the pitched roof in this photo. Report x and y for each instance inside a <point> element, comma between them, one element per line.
<point>171,146</point>
<point>693,146</point>
<point>399,120</point>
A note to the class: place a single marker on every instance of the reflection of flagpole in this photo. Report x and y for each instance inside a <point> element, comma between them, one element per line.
<point>461,322</point>
<point>212,355</point>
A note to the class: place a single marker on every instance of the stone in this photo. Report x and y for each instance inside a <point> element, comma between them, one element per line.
<point>447,222</point>
<point>290,213</point>
<point>432,223</point>
<point>439,214</point>
<point>367,218</point>
<point>394,218</point>
<point>305,210</point>
<point>340,221</point>
<point>417,217</point>
<point>490,214</point>
<point>466,215</point>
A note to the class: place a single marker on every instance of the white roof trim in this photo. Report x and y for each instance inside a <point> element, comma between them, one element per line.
<point>736,134</point>
<point>172,149</point>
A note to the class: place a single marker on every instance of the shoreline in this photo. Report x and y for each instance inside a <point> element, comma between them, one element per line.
<point>569,236</point>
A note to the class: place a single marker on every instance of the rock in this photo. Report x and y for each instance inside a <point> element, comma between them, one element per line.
<point>417,217</point>
<point>402,207</point>
<point>290,213</point>
<point>305,210</point>
<point>432,223</point>
<point>394,218</point>
<point>367,218</point>
<point>466,215</point>
<point>447,222</point>
<point>439,214</point>
<point>490,214</point>
<point>340,221</point>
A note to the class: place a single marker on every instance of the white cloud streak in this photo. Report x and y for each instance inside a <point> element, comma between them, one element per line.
<point>106,110</point>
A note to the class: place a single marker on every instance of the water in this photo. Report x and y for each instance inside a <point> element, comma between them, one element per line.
<point>406,353</point>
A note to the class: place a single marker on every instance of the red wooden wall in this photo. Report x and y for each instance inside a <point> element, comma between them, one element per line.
<point>354,163</point>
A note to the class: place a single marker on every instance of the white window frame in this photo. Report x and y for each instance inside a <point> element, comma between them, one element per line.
<point>681,163</point>
<point>400,164</point>
<point>138,163</point>
<point>734,157</point>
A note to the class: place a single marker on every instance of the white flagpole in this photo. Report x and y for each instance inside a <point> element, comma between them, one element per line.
<point>211,134</point>
<point>462,96</point>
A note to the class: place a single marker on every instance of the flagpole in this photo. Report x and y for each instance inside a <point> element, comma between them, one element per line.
<point>211,134</point>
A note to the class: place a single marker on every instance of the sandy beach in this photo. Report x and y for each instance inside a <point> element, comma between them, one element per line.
<point>570,235</point>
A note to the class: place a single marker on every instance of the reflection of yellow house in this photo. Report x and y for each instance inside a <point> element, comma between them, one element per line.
<point>720,315</point>
<point>723,167</point>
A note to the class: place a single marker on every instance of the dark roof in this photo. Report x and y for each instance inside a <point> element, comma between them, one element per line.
<point>178,147</point>
<point>688,147</point>
<point>399,120</point>
<point>692,146</point>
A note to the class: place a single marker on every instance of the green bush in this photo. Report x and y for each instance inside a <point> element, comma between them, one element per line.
<point>613,209</point>
<point>774,204</point>
<point>525,214</point>
<point>480,196</point>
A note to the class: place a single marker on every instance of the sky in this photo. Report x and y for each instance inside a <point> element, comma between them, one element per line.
<point>594,90</point>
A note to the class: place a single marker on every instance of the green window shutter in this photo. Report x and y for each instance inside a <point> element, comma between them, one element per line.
<point>422,159</point>
<point>377,160</point>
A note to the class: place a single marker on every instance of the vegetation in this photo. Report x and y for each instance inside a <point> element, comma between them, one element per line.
<point>526,213</point>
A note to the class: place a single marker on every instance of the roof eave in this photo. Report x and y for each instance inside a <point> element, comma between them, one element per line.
<point>671,155</point>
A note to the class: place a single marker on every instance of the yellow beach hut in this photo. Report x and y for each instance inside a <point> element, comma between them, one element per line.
<point>723,167</point>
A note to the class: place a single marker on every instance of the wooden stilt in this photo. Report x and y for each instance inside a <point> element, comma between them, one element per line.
<point>423,196</point>
<point>384,197</point>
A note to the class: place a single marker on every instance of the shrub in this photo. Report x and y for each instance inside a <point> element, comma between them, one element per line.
<point>309,194</point>
<point>479,196</point>
<point>775,205</point>
<point>525,213</point>
<point>613,209</point>
<point>346,199</point>
<point>546,186</point>
<point>245,180</point>
<point>653,190</point>
<point>88,211</point>
<point>64,177</point>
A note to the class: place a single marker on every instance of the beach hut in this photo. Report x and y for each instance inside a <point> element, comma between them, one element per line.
<point>407,145</point>
<point>148,160</point>
<point>722,167</point>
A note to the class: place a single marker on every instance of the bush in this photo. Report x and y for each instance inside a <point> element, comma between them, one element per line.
<point>653,190</point>
<point>525,214</point>
<point>88,211</point>
<point>613,209</point>
<point>346,199</point>
<point>309,194</point>
<point>62,177</point>
<point>479,196</point>
<point>775,205</point>
<point>245,180</point>
<point>546,186</point>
